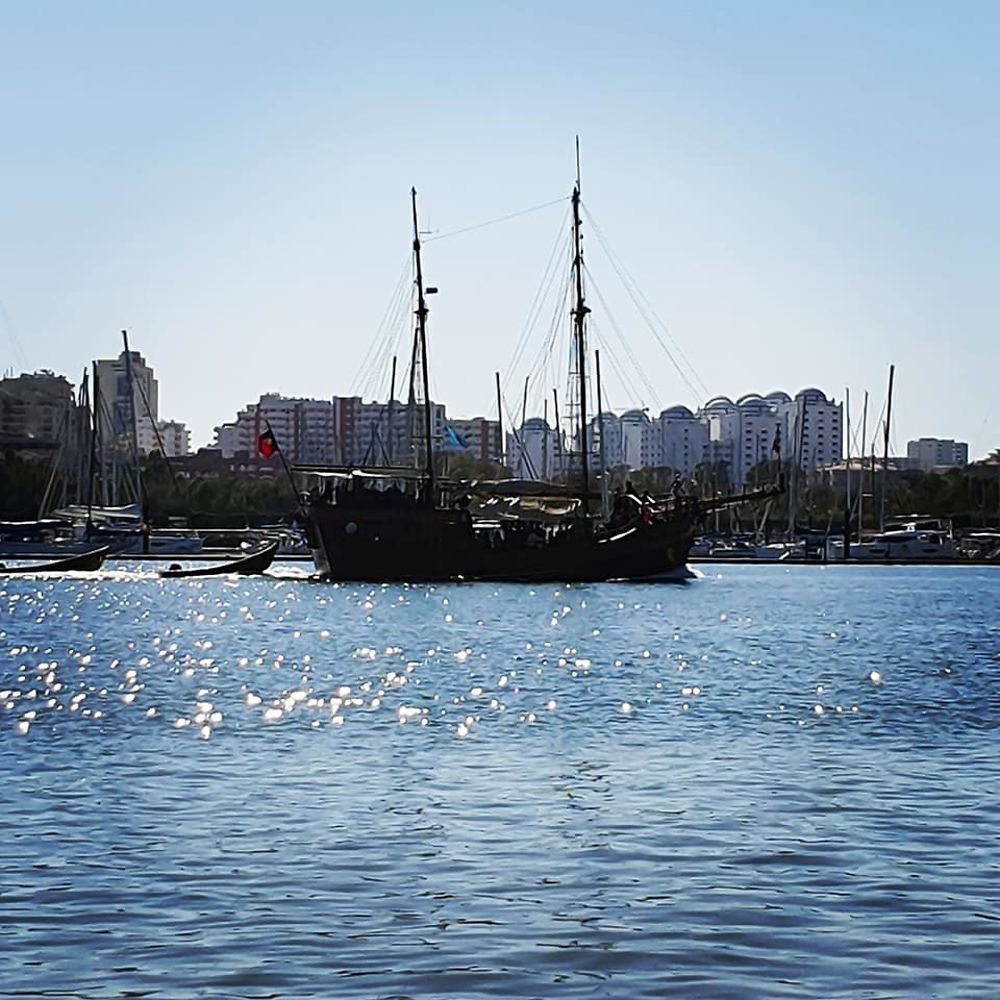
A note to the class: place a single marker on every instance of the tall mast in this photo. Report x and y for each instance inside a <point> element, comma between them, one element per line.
<point>558,440</point>
<point>391,414</point>
<point>861,473</point>
<point>580,311</point>
<point>500,424</point>
<point>95,399</point>
<point>545,441</point>
<point>885,449</point>
<point>600,424</point>
<point>133,419</point>
<point>793,486</point>
<point>847,477</point>
<point>422,337</point>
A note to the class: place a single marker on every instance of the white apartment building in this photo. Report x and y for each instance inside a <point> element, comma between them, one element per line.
<point>640,442</point>
<point>928,453</point>
<point>346,430</point>
<point>811,429</point>
<point>535,451</point>
<point>821,441</point>
<point>115,411</point>
<point>383,433</point>
<point>304,429</point>
<point>236,436</point>
<point>683,440</point>
<point>606,431</point>
<point>174,437</point>
<point>481,437</point>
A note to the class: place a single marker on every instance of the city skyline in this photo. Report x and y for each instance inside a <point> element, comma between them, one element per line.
<point>804,196</point>
<point>712,408</point>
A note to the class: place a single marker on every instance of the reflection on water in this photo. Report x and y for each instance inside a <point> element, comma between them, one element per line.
<point>773,781</point>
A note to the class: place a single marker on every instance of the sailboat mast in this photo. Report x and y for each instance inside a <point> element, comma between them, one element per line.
<point>422,337</point>
<point>92,469</point>
<point>601,452</point>
<point>391,413</point>
<point>558,441</point>
<point>885,448</point>
<point>847,477</point>
<point>861,473</point>
<point>545,441</point>
<point>133,419</point>
<point>580,311</point>
<point>503,449</point>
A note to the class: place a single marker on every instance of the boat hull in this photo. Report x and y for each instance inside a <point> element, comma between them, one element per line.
<point>434,544</point>
<point>84,562</point>
<point>249,565</point>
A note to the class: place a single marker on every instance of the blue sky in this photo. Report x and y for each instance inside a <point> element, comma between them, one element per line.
<point>804,193</point>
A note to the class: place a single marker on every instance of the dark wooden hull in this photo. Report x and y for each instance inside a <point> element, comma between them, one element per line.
<point>83,563</point>
<point>256,562</point>
<point>428,544</point>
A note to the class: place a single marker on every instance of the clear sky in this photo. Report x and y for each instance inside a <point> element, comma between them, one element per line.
<point>804,192</point>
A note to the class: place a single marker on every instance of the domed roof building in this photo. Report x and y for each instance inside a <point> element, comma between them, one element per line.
<point>677,412</point>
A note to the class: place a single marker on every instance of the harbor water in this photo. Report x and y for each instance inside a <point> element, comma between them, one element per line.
<point>770,781</point>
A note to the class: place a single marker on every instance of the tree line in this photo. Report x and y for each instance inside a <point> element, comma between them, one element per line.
<point>970,496</point>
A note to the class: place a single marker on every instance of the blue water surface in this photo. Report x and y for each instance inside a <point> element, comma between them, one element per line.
<point>772,781</point>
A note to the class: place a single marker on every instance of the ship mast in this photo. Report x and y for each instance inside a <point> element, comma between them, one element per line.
<point>429,497</point>
<point>580,311</point>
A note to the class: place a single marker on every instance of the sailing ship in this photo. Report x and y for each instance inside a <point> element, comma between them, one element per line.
<point>407,524</point>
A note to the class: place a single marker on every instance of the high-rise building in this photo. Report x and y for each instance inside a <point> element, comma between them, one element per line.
<point>821,441</point>
<point>383,433</point>
<point>115,410</point>
<point>927,453</point>
<point>535,450</point>
<point>173,437</point>
<point>305,429</point>
<point>346,430</point>
<point>809,428</point>
<point>683,440</point>
<point>36,410</point>
<point>480,437</point>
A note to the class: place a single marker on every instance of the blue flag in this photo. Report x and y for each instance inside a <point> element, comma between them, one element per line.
<point>453,441</point>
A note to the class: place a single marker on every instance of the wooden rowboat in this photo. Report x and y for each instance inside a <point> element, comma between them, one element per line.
<point>83,563</point>
<point>255,562</point>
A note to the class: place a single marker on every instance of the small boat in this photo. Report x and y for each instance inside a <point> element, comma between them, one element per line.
<point>248,565</point>
<point>85,562</point>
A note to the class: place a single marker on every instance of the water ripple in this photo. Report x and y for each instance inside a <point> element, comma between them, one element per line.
<point>774,781</point>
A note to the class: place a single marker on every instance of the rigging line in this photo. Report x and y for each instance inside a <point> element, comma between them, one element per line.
<point>537,303</point>
<point>515,433</point>
<point>390,309</point>
<point>397,329</point>
<point>655,332</point>
<point>626,383</point>
<point>632,357</point>
<point>560,305</point>
<point>632,287</point>
<point>493,222</point>
<point>383,337</point>
<point>379,371</point>
<point>643,378</point>
<point>547,346</point>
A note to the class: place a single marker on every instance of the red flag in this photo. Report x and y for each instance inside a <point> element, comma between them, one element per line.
<point>267,444</point>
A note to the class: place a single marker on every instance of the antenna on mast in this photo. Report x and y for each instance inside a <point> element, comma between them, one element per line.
<point>578,163</point>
